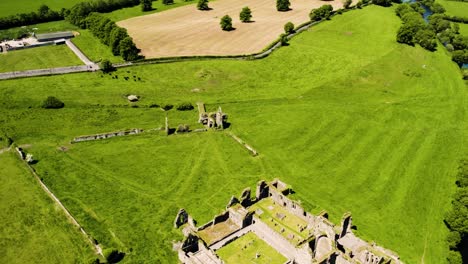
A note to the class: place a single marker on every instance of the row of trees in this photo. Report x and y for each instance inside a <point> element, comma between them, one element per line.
<point>80,11</point>
<point>457,219</point>
<point>112,35</point>
<point>75,15</point>
<point>43,14</point>
<point>414,29</point>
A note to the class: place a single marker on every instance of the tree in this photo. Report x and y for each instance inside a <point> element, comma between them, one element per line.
<point>245,15</point>
<point>168,2</point>
<point>289,28</point>
<point>405,35</point>
<point>226,23</point>
<point>106,66</point>
<point>203,5</point>
<point>454,257</point>
<point>282,5</point>
<point>146,5</point>
<point>426,38</point>
<point>52,102</point>
<point>320,13</point>
<point>128,50</point>
<point>43,11</point>
<point>460,42</point>
<point>347,4</point>
<point>116,36</point>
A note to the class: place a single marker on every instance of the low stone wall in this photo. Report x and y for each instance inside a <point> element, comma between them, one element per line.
<point>245,145</point>
<point>107,135</point>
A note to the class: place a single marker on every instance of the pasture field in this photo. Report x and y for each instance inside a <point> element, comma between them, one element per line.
<point>12,7</point>
<point>187,31</point>
<point>463,29</point>
<point>38,58</point>
<point>245,248</point>
<point>33,228</point>
<point>455,8</point>
<point>354,121</point>
<point>94,49</point>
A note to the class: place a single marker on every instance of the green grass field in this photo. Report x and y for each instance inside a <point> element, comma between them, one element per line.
<point>34,230</point>
<point>351,119</point>
<point>9,7</point>
<point>455,8</point>
<point>38,58</point>
<point>245,249</point>
<point>158,6</point>
<point>93,48</point>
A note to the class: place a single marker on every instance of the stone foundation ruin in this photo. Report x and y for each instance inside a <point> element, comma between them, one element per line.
<point>298,235</point>
<point>107,135</point>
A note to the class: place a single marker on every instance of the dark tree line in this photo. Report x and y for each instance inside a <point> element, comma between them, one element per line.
<point>457,219</point>
<point>75,15</point>
<point>112,35</point>
<point>43,14</point>
<point>80,11</point>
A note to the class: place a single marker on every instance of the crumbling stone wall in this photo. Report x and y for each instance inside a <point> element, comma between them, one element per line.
<point>107,135</point>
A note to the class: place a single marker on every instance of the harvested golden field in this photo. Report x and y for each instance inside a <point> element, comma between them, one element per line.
<point>186,31</point>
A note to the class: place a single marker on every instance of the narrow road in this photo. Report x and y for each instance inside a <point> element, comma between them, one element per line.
<point>50,71</point>
<point>78,53</point>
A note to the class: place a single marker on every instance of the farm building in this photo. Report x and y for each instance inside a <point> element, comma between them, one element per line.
<point>54,36</point>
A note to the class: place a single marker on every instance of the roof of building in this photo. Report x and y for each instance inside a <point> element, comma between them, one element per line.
<point>55,35</point>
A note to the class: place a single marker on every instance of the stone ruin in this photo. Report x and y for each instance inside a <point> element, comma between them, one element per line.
<point>28,157</point>
<point>107,135</point>
<point>325,243</point>
<point>215,120</point>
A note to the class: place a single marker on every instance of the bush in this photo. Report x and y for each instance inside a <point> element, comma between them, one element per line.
<point>226,23</point>
<point>245,15</point>
<point>167,107</point>
<point>168,2</point>
<point>113,255</point>
<point>186,106</point>
<point>202,5</point>
<point>282,5</point>
<point>284,40</point>
<point>52,103</point>
<point>289,28</point>
<point>106,66</point>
